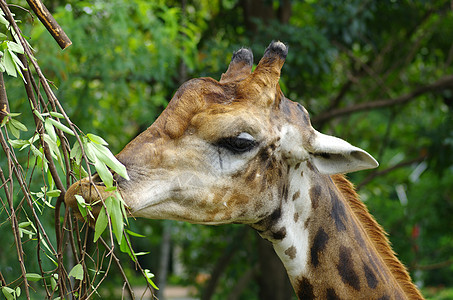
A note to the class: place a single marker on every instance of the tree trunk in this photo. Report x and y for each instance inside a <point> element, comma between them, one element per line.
<point>164,258</point>
<point>264,10</point>
<point>272,278</point>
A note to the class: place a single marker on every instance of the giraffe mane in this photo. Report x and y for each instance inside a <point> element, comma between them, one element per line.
<point>377,236</point>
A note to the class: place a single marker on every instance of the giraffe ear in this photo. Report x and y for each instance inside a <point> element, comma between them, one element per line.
<point>333,155</point>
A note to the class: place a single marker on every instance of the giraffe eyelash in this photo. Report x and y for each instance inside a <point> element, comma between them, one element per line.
<point>238,144</point>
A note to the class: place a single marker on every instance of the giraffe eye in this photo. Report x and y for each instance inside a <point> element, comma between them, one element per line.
<point>239,144</point>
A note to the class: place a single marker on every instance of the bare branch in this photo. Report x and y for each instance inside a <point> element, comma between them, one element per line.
<point>443,83</point>
<point>435,266</point>
<point>390,169</point>
<point>50,23</point>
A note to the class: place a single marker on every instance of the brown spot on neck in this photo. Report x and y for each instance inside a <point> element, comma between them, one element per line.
<point>291,252</point>
<point>338,211</point>
<point>296,217</point>
<point>370,277</point>
<point>331,294</point>
<point>280,234</point>
<point>296,195</point>
<point>315,195</point>
<point>319,244</point>
<point>346,268</point>
<point>304,289</point>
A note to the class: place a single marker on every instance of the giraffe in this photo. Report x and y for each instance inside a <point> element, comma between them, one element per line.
<point>238,151</point>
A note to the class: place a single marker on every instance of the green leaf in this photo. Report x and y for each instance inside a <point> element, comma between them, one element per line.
<point>38,153</point>
<point>134,233</point>
<point>101,224</point>
<point>82,205</point>
<point>17,61</point>
<point>8,63</point>
<point>50,129</point>
<point>110,189</point>
<point>76,152</point>
<point>89,150</point>
<point>12,115</point>
<point>13,46</point>
<point>52,260</point>
<point>56,115</point>
<point>14,131</point>
<point>79,171</point>
<point>94,156</point>
<point>125,248</point>
<point>77,272</point>
<point>116,215</point>
<point>104,173</point>
<point>18,65</point>
<point>23,231</point>
<point>96,139</point>
<point>53,193</point>
<point>18,125</point>
<point>104,154</point>
<point>109,204</point>
<point>80,200</point>
<point>3,20</point>
<point>24,224</point>
<point>53,283</point>
<point>38,114</point>
<point>122,205</point>
<point>33,277</point>
<point>54,151</point>
<point>61,127</point>
<point>8,292</point>
<point>149,276</point>
<point>18,143</point>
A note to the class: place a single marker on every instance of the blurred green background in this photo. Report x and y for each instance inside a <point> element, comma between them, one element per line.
<point>375,73</point>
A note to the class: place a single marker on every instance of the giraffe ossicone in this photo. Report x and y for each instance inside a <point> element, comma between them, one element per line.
<point>238,151</point>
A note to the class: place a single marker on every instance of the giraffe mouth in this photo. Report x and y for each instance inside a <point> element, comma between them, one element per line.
<point>93,191</point>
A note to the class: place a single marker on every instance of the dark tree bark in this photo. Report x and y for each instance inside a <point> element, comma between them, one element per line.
<point>164,258</point>
<point>272,278</point>
<point>264,11</point>
<point>284,11</point>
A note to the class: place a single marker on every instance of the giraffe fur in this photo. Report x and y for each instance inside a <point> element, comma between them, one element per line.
<point>238,151</point>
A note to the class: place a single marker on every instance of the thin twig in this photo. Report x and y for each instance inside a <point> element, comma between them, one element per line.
<point>118,264</point>
<point>14,223</point>
<point>4,106</point>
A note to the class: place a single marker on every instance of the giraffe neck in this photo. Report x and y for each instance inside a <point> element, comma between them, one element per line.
<point>325,249</point>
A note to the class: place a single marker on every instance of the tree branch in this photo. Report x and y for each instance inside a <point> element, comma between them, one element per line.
<point>434,266</point>
<point>4,107</point>
<point>441,84</point>
<point>50,23</point>
<point>390,169</point>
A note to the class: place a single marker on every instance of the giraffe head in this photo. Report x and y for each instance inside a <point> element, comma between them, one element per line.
<point>221,149</point>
